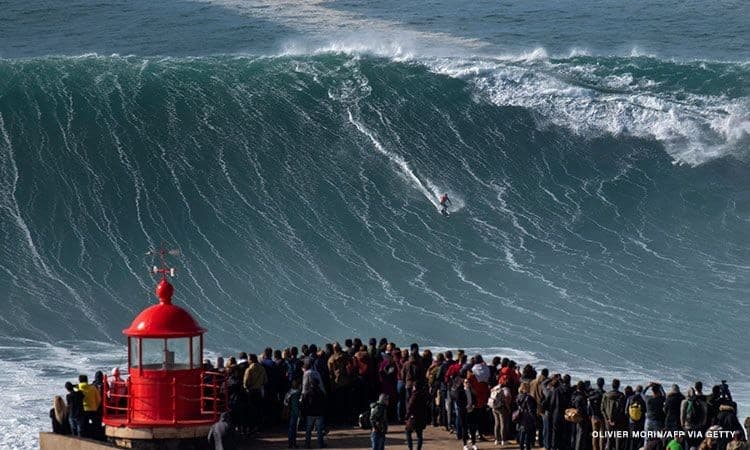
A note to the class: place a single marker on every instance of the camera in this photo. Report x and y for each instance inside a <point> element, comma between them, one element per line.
<point>724,389</point>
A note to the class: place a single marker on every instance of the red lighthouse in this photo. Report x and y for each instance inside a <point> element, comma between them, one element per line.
<point>168,395</point>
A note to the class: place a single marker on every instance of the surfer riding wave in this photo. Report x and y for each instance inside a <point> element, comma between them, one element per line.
<point>444,203</point>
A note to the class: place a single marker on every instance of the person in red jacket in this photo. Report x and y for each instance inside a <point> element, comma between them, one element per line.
<point>444,203</point>
<point>477,394</point>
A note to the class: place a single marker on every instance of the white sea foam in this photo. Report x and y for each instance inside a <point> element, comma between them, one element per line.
<point>348,31</point>
<point>429,189</point>
<point>693,128</point>
<point>32,372</point>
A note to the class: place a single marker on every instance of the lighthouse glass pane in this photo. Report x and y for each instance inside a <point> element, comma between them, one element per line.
<point>179,353</point>
<point>133,353</point>
<point>153,353</point>
<point>197,357</point>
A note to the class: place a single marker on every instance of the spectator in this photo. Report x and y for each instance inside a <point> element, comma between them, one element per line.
<point>59,416</point>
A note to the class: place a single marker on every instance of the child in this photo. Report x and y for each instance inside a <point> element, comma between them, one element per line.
<point>292,401</point>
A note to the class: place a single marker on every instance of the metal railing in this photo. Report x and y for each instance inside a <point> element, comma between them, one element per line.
<point>118,405</point>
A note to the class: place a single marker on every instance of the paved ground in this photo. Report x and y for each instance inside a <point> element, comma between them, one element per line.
<point>357,439</point>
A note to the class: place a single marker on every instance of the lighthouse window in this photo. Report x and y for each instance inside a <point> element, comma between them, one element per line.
<point>152,353</point>
<point>133,352</point>
<point>197,357</point>
<point>179,350</point>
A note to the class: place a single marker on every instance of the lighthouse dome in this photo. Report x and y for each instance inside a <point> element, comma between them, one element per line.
<point>164,320</point>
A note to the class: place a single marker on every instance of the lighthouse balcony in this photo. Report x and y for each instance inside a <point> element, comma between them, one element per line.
<point>175,398</point>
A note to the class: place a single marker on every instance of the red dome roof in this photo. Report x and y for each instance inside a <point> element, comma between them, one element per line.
<point>164,320</point>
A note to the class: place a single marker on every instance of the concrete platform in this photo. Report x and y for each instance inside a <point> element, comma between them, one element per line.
<point>350,438</point>
<point>357,439</point>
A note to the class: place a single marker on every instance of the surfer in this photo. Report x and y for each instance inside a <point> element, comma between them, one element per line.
<point>444,203</point>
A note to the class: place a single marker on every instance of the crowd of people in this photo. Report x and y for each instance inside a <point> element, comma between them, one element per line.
<point>80,413</point>
<point>378,384</point>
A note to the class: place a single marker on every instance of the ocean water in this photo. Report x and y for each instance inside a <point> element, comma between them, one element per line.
<point>597,155</point>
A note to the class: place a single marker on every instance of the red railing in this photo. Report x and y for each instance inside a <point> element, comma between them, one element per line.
<point>118,406</point>
<point>214,399</point>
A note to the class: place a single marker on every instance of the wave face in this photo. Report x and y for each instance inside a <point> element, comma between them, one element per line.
<point>302,192</point>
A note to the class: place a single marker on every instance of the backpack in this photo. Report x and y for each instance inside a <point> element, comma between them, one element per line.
<point>523,412</point>
<point>495,401</point>
<point>377,416</point>
<point>293,369</point>
<point>342,368</point>
<point>618,409</point>
<point>595,403</point>
<point>635,411</point>
<point>506,401</point>
<point>482,372</point>
<point>693,412</point>
<point>456,386</point>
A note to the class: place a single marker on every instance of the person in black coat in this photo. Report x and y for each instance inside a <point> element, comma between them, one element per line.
<point>579,401</point>
<point>727,420</point>
<point>418,413</point>
<point>221,435</point>
<point>559,401</point>
<point>672,409</point>
<point>74,402</point>
<point>526,417</point>
<point>313,405</point>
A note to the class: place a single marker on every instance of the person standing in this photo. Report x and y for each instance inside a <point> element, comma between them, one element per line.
<point>74,400</point>
<point>221,435</point>
<point>465,408</point>
<point>635,406</point>
<point>59,416</point>
<point>537,392</point>
<point>379,422</point>
<point>613,410</point>
<point>388,373</point>
<point>447,413</point>
<point>313,404</point>
<point>418,413</point>
<point>727,420</point>
<point>433,388</point>
<point>292,401</point>
<point>411,371</point>
<point>595,411</point>
<point>693,416</point>
<point>254,380</point>
<point>502,410</point>
<point>559,401</point>
<point>340,370</point>
<point>526,417</point>
<point>654,408</point>
<point>672,409</point>
<point>579,401</point>
<point>91,402</point>
<point>96,419</point>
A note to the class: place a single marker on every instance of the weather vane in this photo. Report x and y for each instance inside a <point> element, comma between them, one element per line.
<point>162,253</point>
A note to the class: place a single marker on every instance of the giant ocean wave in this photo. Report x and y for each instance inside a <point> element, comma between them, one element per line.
<point>302,192</point>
